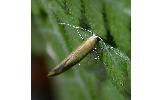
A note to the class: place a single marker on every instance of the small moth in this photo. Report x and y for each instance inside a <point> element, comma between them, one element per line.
<point>75,57</point>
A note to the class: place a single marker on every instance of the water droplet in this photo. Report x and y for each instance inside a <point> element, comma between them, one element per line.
<point>121,83</point>
<point>116,53</point>
<point>113,79</point>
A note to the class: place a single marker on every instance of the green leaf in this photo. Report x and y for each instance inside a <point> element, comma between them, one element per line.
<point>118,68</point>
<point>107,78</point>
<point>118,17</point>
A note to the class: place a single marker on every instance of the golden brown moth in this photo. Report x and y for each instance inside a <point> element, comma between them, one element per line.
<point>75,57</point>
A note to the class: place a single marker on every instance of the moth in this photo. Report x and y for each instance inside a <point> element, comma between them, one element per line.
<point>76,56</point>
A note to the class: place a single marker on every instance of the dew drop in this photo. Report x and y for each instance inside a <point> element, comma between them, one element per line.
<point>121,83</point>
<point>113,79</point>
<point>76,27</point>
<point>95,58</point>
<point>106,68</point>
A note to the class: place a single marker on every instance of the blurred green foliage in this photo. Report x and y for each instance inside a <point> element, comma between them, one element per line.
<point>108,78</point>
